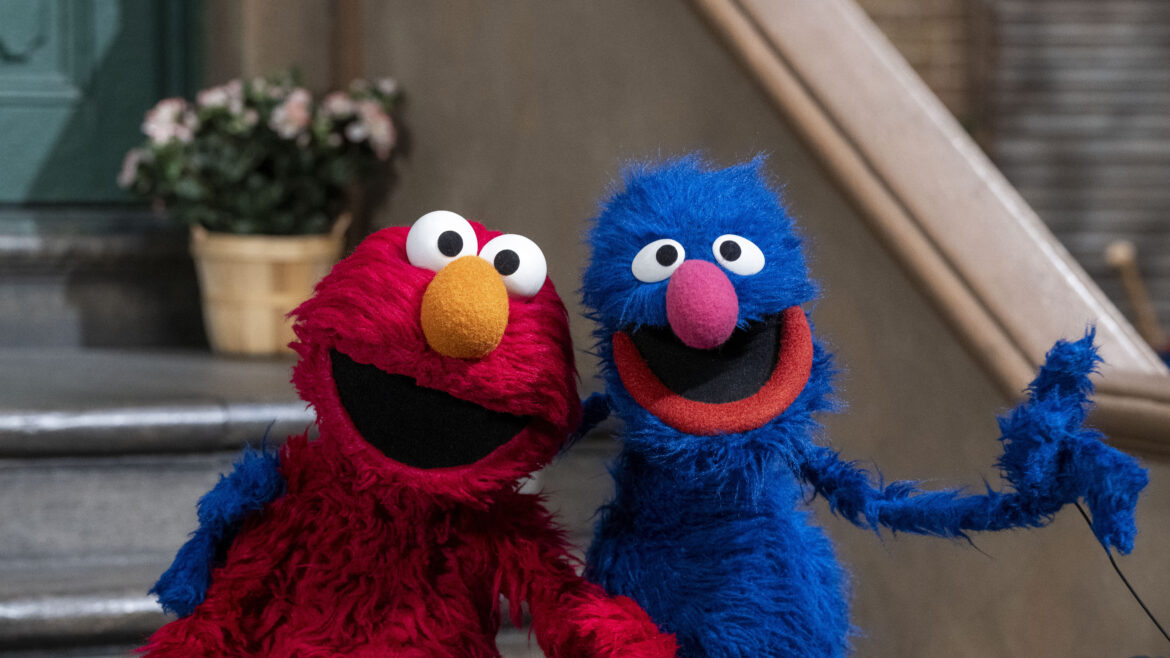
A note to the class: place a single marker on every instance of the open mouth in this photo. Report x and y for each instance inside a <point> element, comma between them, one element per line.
<point>418,426</point>
<point>739,386</point>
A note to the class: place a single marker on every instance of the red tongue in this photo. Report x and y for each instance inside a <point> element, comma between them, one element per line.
<point>793,367</point>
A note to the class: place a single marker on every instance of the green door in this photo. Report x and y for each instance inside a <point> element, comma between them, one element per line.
<point>76,77</point>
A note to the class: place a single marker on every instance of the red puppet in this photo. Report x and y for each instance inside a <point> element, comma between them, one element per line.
<point>440,366</point>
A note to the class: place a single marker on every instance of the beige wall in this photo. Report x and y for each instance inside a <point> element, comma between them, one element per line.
<point>259,37</point>
<point>519,114</point>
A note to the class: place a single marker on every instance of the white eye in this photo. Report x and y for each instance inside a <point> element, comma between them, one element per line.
<point>658,260</point>
<point>439,237</point>
<point>519,261</point>
<point>738,254</point>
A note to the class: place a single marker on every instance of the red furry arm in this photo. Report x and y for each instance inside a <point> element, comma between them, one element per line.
<point>571,618</point>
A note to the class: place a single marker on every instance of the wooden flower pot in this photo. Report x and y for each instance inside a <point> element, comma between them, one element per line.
<point>249,283</point>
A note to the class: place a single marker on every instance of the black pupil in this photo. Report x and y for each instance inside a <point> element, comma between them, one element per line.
<point>729,250</point>
<point>450,243</point>
<point>506,262</point>
<point>666,255</point>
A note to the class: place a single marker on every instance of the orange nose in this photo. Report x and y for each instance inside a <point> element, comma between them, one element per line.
<point>465,309</point>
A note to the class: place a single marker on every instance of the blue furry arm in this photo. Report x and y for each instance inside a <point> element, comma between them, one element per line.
<point>255,481</point>
<point>1050,459</point>
<point>594,410</point>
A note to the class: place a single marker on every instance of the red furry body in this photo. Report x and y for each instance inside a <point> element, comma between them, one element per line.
<point>342,566</point>
<point>367,556</point>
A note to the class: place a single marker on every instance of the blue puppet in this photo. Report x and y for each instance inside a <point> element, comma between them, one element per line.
<point>696,282</point>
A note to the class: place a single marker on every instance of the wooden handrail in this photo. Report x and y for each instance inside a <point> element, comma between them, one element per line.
<point>960,230</point>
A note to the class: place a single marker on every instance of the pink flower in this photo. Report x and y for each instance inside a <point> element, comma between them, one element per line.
<point>356,132</point>
<point>129,172</point>
<point>292,116</point>
<point>338,105</point>
<point>230,96</point>
<point>388,86</point>
<point>376,126</point>
<point>170,119</point>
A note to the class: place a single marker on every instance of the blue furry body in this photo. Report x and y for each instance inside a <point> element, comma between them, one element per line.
<point>742,573</point>
<point>709,533</point>
<point>255,481</point>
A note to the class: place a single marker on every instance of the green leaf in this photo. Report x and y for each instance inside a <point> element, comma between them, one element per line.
<point>189,189</point>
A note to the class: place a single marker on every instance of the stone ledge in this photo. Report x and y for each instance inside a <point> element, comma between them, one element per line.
<point>60,603</point>
<point>67,238</point>
<point>72,620</point>
<point>112,276</point>
<point>87,402</point>
<point>95,651</point>
<point>64,625</point>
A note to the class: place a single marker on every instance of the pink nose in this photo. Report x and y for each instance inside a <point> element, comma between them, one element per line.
<point>701,305</point>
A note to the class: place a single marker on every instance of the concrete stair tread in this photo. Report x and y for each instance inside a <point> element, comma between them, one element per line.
<point>103,455</point>
<point>111,276</point>
<point>49,623</point>
<point>64,609</point>
<point>84,538</point>
<point>104,651</point>
<point>512,642</point>
<point>73,577</point>
<point>67,608</point>
<point>101,511</point>
<point>44,237</point>
<point>90,401</point>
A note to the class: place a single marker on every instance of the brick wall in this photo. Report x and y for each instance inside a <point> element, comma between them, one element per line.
<point>941,41</point>
<point>1081,110</point>
<point>1071,98</point>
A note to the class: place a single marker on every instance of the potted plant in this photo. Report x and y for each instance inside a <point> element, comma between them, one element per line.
<point>262,173</point>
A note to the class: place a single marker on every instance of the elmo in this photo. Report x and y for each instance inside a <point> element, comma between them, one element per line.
<point>439,363</point>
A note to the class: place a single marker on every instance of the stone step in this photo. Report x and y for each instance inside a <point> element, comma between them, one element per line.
<point>82,539</point>
<point>103,402</point>
<point>103,455</point>
<point>81,605</point>
<point>110,276</point>
<point>102,512</point>
<point>95,651</point>
<point>98,510</point>
<point>512,642</point>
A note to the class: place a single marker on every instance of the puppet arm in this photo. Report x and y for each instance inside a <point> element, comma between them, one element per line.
<point>1050,459</point>
<point>594,410</point>
<point>255,482</point>
<point>571,618</point>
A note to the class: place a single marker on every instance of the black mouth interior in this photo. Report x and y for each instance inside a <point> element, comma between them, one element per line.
<point>733,371</point>
<point>418,426</point>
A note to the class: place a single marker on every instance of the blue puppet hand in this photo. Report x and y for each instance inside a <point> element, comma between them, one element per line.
<point>255,482</point>
<point>1052,459</point>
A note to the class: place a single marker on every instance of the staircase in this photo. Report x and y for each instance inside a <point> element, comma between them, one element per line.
<point>103,454</point>
<point>113,422</point>
<point>95,277</point>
